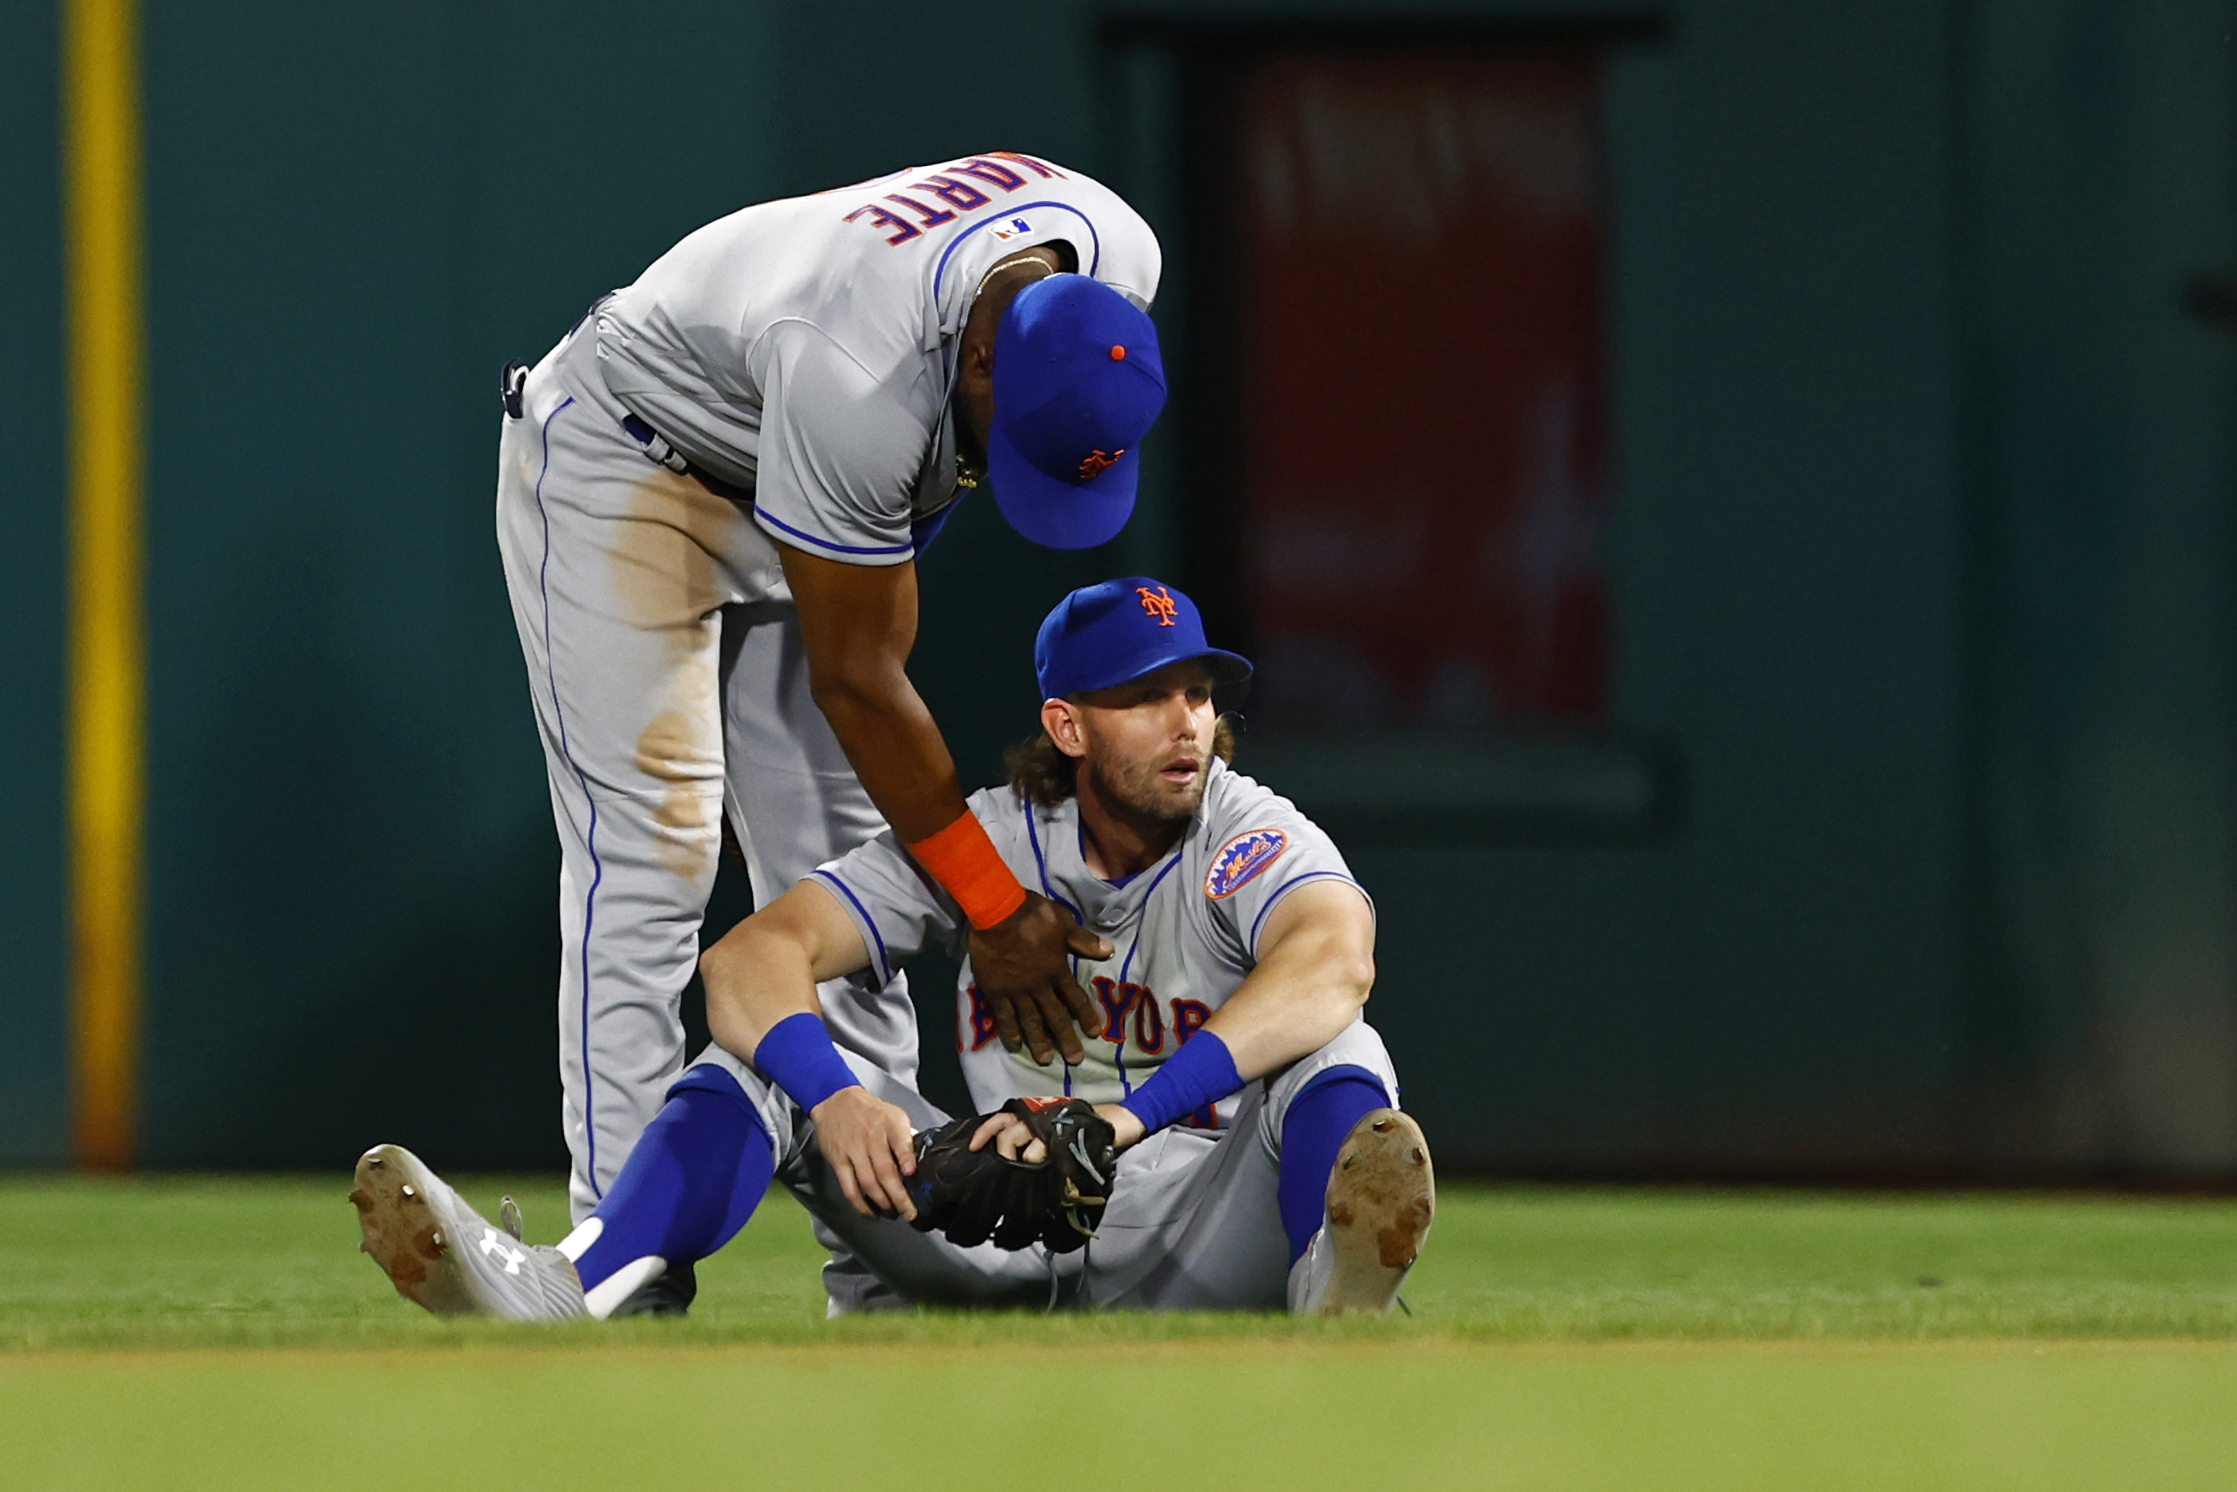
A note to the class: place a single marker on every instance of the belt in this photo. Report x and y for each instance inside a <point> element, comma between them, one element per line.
<point>513,389</point>
<point>921,532</point>
<point>661,452</point>
<point>657,448</point>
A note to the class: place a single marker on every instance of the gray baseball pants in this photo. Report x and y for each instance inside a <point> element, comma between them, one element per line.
<point>670,687</point>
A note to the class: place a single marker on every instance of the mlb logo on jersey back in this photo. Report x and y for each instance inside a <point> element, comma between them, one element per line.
<point>1241,859</point>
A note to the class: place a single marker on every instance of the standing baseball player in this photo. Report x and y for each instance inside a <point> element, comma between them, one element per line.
<point>1230,1141</point>
<point>711,496</point>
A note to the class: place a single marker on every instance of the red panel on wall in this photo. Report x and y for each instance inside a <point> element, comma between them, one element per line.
<point>1422,406</point>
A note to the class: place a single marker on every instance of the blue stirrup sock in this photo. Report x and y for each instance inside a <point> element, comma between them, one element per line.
<point>1313,1131</point>
<point>698,1172</point>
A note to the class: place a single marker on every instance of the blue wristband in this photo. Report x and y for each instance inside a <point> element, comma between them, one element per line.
<point>1201,1072</point>
<point>797,1055</point>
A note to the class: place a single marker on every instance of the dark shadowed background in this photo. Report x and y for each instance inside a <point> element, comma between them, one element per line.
<point>1836,781</point>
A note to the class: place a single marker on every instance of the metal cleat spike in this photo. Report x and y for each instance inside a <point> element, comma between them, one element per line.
<point>409,1192</point>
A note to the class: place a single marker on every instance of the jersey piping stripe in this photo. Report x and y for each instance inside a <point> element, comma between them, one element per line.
<point>1142,914</point>
<point>1126,966</point>
<point>877,940</point>
<point>1288,886</point>
<point>590,838</point>
<point>776,522</point>
<point>1041,864</point>
<point>1095,240</point>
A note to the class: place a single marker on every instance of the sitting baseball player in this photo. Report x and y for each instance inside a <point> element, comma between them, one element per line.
<point>1231,1140</point>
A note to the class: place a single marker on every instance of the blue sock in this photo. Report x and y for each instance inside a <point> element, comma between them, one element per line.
<point>701,1168</point>
<point>1312,1132</point>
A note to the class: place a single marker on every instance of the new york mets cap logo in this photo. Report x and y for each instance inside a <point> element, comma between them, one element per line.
<point>1240,860</point>
<point>1158,603</point>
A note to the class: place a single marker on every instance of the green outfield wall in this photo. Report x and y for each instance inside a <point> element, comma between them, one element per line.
<point>33,1087</point>
<point>1921,550</point>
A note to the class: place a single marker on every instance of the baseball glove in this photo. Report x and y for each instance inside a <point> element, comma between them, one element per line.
<point>973,1195</point>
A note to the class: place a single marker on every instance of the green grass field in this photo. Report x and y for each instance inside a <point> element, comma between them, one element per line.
<point>226,1333</point>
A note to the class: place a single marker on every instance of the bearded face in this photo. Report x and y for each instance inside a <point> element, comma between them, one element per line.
<point>1149,744</point>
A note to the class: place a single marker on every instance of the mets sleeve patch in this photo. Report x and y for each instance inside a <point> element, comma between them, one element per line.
<point>1241,859</point>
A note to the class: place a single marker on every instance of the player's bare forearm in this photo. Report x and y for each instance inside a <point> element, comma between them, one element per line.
<point>858,623</point>
<point>766,969</point>
<point>1316,965</point>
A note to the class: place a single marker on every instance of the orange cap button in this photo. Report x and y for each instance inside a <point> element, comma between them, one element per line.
<point>1118,354</point>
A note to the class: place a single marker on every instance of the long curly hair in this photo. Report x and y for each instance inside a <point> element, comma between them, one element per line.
<point>1040,773</point>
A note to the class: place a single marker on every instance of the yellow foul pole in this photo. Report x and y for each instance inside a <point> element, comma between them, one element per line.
<point>102,239</point>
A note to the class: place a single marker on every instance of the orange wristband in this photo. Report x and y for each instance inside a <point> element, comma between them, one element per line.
<point>961,858</point>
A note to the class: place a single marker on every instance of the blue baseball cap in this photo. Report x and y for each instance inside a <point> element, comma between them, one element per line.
<point>1077,383</point>
<point>1108,634</point>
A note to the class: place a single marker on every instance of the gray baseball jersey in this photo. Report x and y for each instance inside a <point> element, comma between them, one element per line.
<point>807,347</point>
<point>1185,932</point>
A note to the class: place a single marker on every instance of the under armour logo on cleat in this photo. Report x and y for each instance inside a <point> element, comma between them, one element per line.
<point>494,1245</point>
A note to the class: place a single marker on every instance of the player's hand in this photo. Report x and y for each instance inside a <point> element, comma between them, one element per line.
<point>1024,973</point>
<point>871,1146</point>
<point>1126,1129</point>
<point>1012,1139</point>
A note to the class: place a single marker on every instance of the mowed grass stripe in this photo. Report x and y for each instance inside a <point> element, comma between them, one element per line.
<point>179,1263</point>
<point>1246,1415</point>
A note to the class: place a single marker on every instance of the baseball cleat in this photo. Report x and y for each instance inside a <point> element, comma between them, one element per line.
<point>442,1254</point>
<point>1382,1196</point>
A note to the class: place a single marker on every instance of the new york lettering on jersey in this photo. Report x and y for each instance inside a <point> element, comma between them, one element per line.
<point>1132,1014</point>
